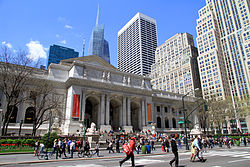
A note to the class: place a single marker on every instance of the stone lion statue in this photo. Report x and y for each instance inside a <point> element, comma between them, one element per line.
<point>92,128</point>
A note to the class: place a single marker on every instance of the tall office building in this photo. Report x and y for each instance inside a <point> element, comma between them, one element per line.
<point>98,45</point>
<point>223,33</point>
<point>137,42</point>
<point>58,53</point>
<point>176,68</point>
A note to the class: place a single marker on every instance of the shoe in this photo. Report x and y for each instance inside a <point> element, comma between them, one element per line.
<point>170,164</point>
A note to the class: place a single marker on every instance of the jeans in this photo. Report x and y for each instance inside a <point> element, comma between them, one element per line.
<point>176,159</point>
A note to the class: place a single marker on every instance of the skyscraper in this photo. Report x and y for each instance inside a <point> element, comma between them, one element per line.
<point>98,45</point>
<point>58,53</point>
<point>176,68</point>
<point>137,42</point>
<point>223,33</point>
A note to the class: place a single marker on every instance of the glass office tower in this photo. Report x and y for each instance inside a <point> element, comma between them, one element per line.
<point>58,53</point>
<point>98,45</point>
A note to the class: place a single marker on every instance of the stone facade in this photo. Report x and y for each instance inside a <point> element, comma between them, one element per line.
<point>95,91</point>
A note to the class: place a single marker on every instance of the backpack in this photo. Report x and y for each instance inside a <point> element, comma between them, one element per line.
<point>126,148</point>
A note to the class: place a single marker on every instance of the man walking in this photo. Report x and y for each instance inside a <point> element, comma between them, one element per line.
<point>174,150</point>
<point>131,153</point>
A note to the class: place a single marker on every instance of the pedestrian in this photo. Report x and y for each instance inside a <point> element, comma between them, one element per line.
<point>110,147</point>
<point>167,145</point>
<point>152,144</point>
<point>86,147</point>
<point>192,151</point>
<point>129,154</point>
<point>36,148</point>
<point>179,143</point>
<point>197,148</point>
<point>148,148</point>
<point>138,146</point>
<point>41,148</point>
<point>244,141</point>
<point>68,146</point>
<point>72,148</point>
<point>163,146</point>
<point>97,149</point>
<point>63,148</point>
<point>117,145</point>
<point>174,150</point>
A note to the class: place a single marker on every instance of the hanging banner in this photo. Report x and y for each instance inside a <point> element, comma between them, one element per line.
<point>149,113</point>
<point>76,106</point>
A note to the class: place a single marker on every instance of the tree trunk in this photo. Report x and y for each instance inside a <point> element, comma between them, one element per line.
<point>34,130</point>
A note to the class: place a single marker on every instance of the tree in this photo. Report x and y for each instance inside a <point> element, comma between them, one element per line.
<point>14,71</point>
<point>219,111</point>
<point>43,100</point>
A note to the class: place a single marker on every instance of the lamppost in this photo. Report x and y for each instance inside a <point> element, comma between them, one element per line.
<point>185,121</point>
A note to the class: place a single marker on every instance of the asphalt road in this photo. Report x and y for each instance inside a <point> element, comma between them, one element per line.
<point>234,157</point>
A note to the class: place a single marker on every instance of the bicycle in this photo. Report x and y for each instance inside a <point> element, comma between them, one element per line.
<point>42,155</point>
<point>82,153</point>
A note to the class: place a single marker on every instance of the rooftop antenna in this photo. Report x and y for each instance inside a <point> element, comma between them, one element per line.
<point>97,17</point>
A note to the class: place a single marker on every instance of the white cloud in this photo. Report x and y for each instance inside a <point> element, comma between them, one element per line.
<point>68,26</point>
<point>7,44</point>
<point>57,35</point>
<point>36,50</point>
<point>63,41</point>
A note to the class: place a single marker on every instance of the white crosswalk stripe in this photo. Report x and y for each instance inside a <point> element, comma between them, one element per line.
<point>232,153</point>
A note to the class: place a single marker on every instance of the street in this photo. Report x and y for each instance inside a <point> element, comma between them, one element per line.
<point>236,156</point>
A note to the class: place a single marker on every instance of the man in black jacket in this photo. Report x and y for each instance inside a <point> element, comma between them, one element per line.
<point>174,150</point>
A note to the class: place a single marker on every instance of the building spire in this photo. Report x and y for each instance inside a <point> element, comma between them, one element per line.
<point>97,17</point>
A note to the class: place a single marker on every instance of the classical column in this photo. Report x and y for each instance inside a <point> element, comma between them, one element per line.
<point>124,115</point>
<point>120,116</point>
<point>83,104</point>
<point>143,113</point>
<point>102,109</point>
<point>140,118</point>
<point>107,109</point>
<point>129,111</point>
<point>177,118</point>
<point>162,117</point>
<point>170,117</point>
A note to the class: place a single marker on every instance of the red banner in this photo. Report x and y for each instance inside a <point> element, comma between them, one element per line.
<point>149,112</point>
<point>76,106</point>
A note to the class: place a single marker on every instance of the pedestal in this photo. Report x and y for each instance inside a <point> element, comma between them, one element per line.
<point>196,131</point>
<point>128,128</point>
<point>106,128</point>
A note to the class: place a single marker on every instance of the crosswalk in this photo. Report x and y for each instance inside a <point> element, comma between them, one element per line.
<point>163,160</point>
<point>229,153</point>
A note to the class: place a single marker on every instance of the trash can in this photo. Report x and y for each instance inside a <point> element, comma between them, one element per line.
<point>144,149</point>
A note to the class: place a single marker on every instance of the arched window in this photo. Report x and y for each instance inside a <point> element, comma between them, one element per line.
<point>13,111</point>
<point>29,115</point>
<point>158,122</point>
<point>174,122</point>
<point>166,123</point>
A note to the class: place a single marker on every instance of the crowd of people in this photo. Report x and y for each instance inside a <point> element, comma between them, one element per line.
<point>143,142</point>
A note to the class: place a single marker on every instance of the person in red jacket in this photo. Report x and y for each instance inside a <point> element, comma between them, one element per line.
<point>131,155</point>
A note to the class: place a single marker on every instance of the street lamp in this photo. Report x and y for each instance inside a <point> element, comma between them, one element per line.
<point>185,121</point>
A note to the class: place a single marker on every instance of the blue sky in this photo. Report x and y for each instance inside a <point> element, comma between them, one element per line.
<point>34,25</point>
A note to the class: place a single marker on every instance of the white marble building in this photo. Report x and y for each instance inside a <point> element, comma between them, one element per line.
<point>96,91</point>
